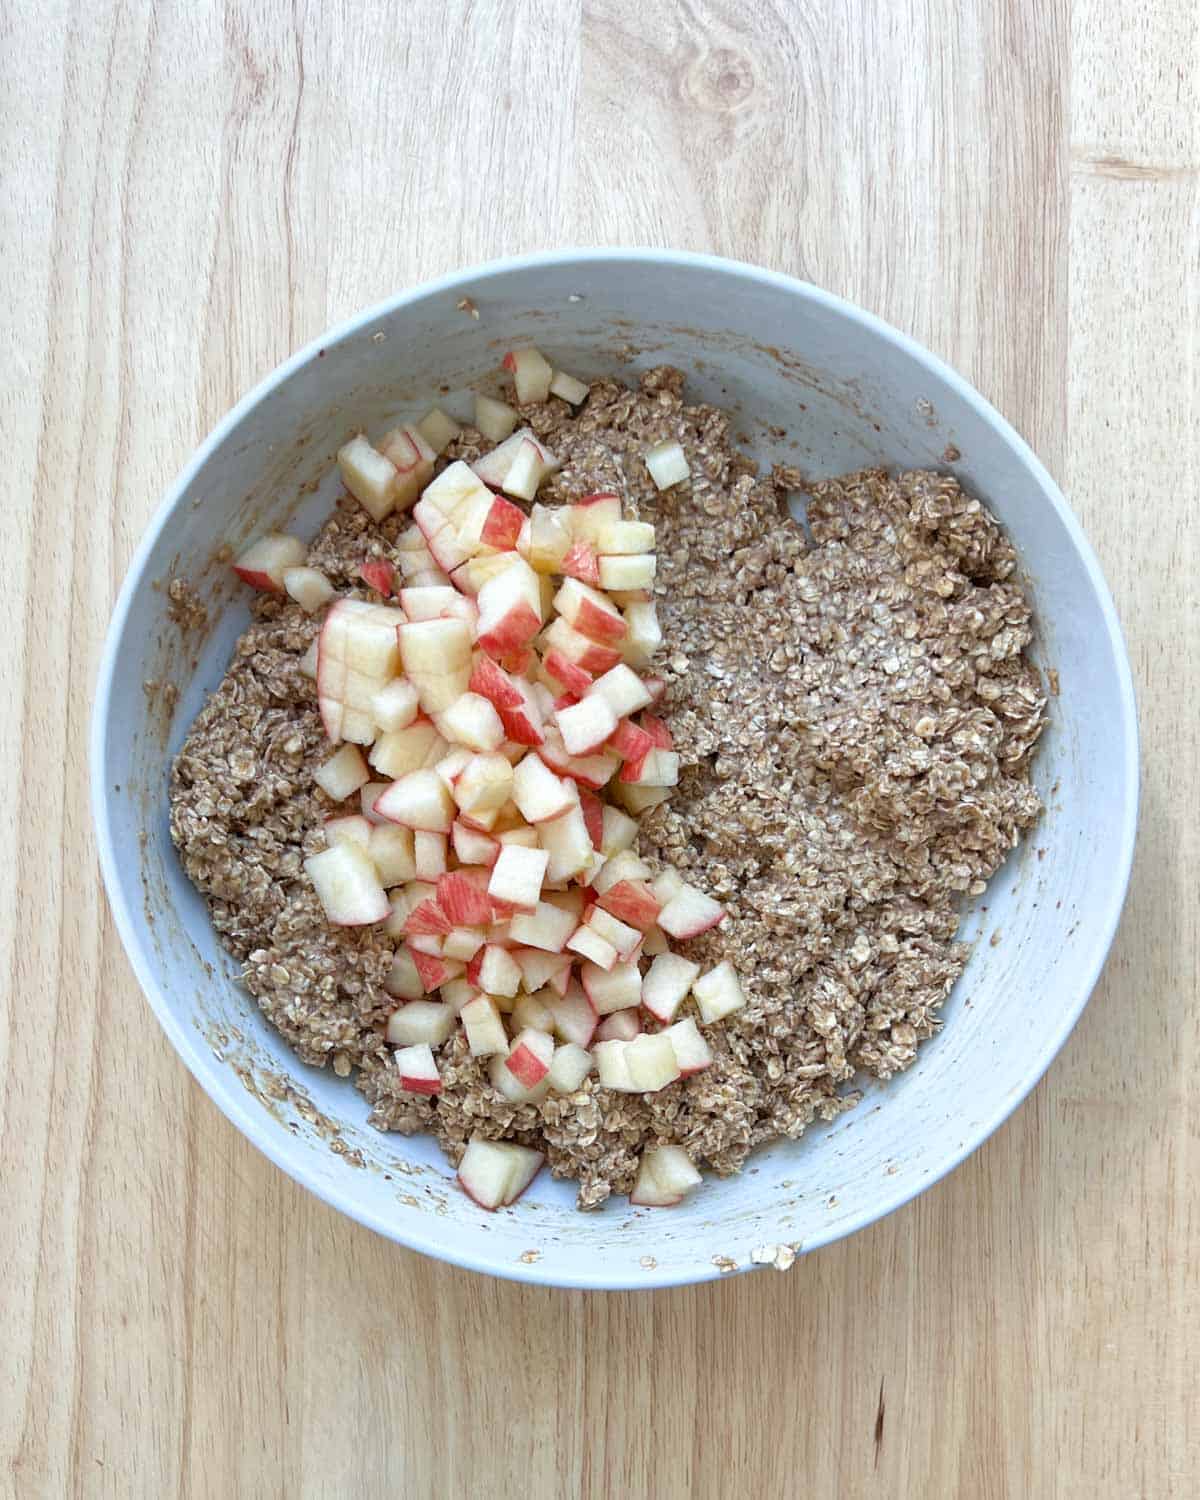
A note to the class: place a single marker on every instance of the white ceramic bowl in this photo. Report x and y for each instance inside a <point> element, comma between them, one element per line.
<point>849,391</point>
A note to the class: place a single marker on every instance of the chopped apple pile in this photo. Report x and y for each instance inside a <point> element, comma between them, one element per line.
<point>493,727</point>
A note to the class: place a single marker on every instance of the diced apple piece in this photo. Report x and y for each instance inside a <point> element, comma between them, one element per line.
<point>510,609</point>
<point>265,562</point>
<point>618,833</point>
<point>531,374</point>
<point>429,854</point>
<point>405,899</point>
<point>484,1029</point>
<point>582,562</point>
<point>471,721</point>
<point>412,457</point>
<point>665,1175</point>
<point>403,981</point>
<point>666,984</point>
<point>689,912</point>
<point>626,940</point>
<point>593,771</point>
<point>529,1057</point>
<point>566,672</point>
<point>531,1011</point>
<point>639,799</point>
<point>667,464</point>
<point>517,875</point>
<point>378,574</point>
<point>308,587</point>
<point>672,1168</point>
<point>628,573</point>
<point>462,895</point>
<point>622,689</point>
<point>434,969</point>
<point>394,706</point>
<point>438,430</point>
<point>471,847</point>
<point>625,539</point>
<point>643,634</point>
<point>624,865</point>
<point>413,748</point>
<point>652,1062</point>
<point>718,993</point>
<point>655,942</point>
<point>658,768</point>
<point>308,662</point>
<point>592,515</point>
<point>586,610</point>
<point>632,901</point>
<point>567,842</point>
<point>692,1052</point>
<point>357,654</point>
<point>497,972</point>
<point>463,943</point>
<point>574,1018</point>
<point>585,725</point>
<point>612,1070</point>
<point>494,419</point>
<point>549,540</point>
<point>351,829</point>
<point>568,388</point>
<point>496,1173</point>
<point>617,989</point>
<point>485,785</point>
<point>622,1026</point>
<point>419,1021</point>
<point>574,646</point>
<point>590,945</point>
<point>525,838</point>
<point>370,477</point>
<point>347,886</point>
<point>471,576</point>
<point>547,927</point>
<point>537,967</point>
<point>418,800</point>
<point>343,773</point>
<point>430,601</point>
<point>569,1066</point>
<point>457,993</point>
<point>418,1070</point>
<point>437,658</point>
<point>391,851</point>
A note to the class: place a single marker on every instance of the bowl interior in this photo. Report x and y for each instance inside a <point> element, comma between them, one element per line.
<point>810,382</point>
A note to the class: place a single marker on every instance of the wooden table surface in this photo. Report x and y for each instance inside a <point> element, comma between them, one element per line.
<point>191,191</point>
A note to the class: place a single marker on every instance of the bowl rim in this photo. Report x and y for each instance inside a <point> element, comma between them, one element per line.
<point>200,1063</point>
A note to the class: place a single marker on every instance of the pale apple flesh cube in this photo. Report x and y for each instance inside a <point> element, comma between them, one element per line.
<point>549,540</point>
<point>643,633</point>
<point>309,588</point>
<point>369,476</point>
<point>591,516</point>
<point>427,601</point>
<point>413,748</point>
<point>429,854</point>
<point>395,705</point>
<point>407,451</point>
<point>623,865</point>
<point>588,611</point>
<point>567,388</point>
<point>496,1173</point>
<point>266,562</point>
<point>574,1018</point>
<point>689,912</point>
<point>402,981</point>
<point>484,1027</point>
<point>621,1026</point>
<point>494,419</point>
<point>628,574</point>
<point>619,831</point>
<point>665,1174</point>
<point>718,993</point>
<point>342,774</point>
<point>666,983</point>
<point>540,794</point>
<point>498,972</point>
<point>391,851</point>
<point>618,988</point>
<point>446,495</point>
<point>625,539</point>
<point>651,1062</point>
<point>352,828</point>
<point>527,470</point>
<point>660,768</point>
<point>612,1069</point>
<point>546,927</point>
<point>667,464</point>
<point>308,662</point>
<point>418,800</point>
<point>457,992</point>
<point>622,689</point>
<point>585,725</point>
<point>591,946</point>
<point>472,847</point>
<point>347,886</point>
<point>567,842</point>
<point>537,968</point>
<point>471,721</point>
<point>510,609</point>
<point>426,1021</point>
<point>517,875</point>
<point>624,939</point>
<point>463,943</point>
<point>438,429</point>
<point>692,1052</point>
<point>524,838</point>
<point>531,372</point>
<point>569,1066</point>
<point>485,785</point>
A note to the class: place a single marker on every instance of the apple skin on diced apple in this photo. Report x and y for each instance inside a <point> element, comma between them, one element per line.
<point>529,1057</point>
<point>379,574</point>
<point>573,677</point>
<point>593,656</point>
<point>412,458</point>
<point>582,562</point>
<point>509,609</point>
<point>618,988</point>
<point>593,514</point>
<point>586,610</point>
<point>418,1070</point>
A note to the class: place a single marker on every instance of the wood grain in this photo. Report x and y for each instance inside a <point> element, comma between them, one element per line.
<point>191,191</point>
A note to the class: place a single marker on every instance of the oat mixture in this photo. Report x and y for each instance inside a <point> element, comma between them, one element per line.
<point>855,716</point>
